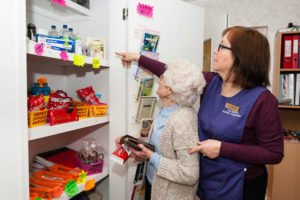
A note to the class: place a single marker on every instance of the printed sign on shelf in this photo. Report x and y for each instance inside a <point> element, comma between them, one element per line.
<point>145,10</point>
<point>39,49</point>
<point>60,2</point>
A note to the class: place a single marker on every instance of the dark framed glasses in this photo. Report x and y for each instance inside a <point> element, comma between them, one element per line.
<point>223,47</point>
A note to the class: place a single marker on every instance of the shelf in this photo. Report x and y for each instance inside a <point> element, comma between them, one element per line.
<point>97,178</point>
<point>288,106</point>
<point>47,130</point>
<point>289,70</point>
<point>53,57</point>
<point>72,12</point>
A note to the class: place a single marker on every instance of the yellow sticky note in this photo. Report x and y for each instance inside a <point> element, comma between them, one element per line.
<point>78,60</point>
<point>96,63</point>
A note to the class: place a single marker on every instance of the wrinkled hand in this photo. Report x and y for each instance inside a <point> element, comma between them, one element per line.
<point>143,154</point>
<point>209,148</point>
<point>127,58</point>
<point>117,141</point>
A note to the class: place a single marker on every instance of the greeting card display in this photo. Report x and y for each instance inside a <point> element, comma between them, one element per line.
<point>145,108</point>
<point>145,87</point>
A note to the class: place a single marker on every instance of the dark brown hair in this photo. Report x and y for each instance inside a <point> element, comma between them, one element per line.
<point>251,52</point>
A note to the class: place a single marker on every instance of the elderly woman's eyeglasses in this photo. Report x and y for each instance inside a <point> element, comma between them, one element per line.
<point>223,47</point>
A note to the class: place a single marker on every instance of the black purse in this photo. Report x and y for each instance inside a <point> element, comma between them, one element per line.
<point>133,142</point>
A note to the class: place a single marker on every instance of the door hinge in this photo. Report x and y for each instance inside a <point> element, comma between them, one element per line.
<point>125,13</point>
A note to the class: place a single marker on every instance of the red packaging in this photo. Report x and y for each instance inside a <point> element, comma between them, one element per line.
<point>63,116</point>
<point>36,103</point>
<point>88,96</point>
<point>119,156</point>
<point>57,101</point>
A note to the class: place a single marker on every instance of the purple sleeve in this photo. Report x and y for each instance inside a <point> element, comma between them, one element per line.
<point>154,66</point>
<point>262,140</point>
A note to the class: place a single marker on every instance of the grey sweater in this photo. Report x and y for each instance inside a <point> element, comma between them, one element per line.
<point>178,172</point>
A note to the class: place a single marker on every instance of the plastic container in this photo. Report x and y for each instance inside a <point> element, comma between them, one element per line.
<point>53,33</point>
<point>31,31</point>
<point>71,34</point>
<point>36,89</point>
<point>78,45</point>
<point>93,168</point>
<point>37,118</point>
<point>98,111</point>
<point>64,33</point>
<point>45,89</point>
<point>83,112</point>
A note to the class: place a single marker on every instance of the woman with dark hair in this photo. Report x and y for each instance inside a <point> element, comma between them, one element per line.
<point>239,125</point>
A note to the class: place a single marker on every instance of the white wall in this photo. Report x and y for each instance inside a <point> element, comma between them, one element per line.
<point>272,13</point>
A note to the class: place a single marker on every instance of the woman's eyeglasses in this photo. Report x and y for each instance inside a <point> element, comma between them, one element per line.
<point>223,47</point>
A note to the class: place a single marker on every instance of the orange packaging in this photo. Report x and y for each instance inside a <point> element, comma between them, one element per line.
<point>44,189</point>
<point>63,170</point>
<point>52,177</point>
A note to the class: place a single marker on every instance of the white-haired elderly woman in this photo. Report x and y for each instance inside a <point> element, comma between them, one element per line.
<point>172,173</point>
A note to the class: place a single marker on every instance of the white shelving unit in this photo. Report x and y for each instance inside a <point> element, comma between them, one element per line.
<point>65,75</point>
<point>53,57</point>
<point>72,11</point>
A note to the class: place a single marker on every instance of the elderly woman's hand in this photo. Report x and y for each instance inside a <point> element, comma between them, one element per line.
<point>117,141</point>
<point>209,148</point>
<point>127,58</point>
<point>143,154</point>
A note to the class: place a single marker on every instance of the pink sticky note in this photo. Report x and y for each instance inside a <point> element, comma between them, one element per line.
<point>60,2</point>
<point>64,55</point>
<point>39,49</point>
<point>145,10</point>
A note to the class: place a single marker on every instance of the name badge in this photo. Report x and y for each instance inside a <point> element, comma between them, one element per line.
<point>232,107</point>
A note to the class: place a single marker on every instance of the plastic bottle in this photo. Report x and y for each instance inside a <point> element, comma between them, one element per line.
<point>78,45</point>
<point>53,33</point>
<point>64,34</point>
<point>36,90</point>
<point>72,35</point>
<point>46,91</point>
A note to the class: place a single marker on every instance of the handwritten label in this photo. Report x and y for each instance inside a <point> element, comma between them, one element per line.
<point>39,49</point>
<point>63,55</point>
<point>145,10</point>
<point>60,2</point>
<point>96,63</point>
<point>78,60</point>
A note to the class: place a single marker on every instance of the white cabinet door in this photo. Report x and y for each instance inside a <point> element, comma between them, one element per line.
<point>13,120</point>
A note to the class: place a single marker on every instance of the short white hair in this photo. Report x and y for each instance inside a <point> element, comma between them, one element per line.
<point>186,81</point>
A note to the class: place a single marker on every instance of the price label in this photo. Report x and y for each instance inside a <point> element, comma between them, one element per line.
<point>82,177</point>
<point>63,55</point>
<point>78,60</point>
<point>90,184</point>
<point>60,2</point>
<point>145,10</point>
<point>71,188</point>
<point>96,63</point>
<point>39,49</point>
